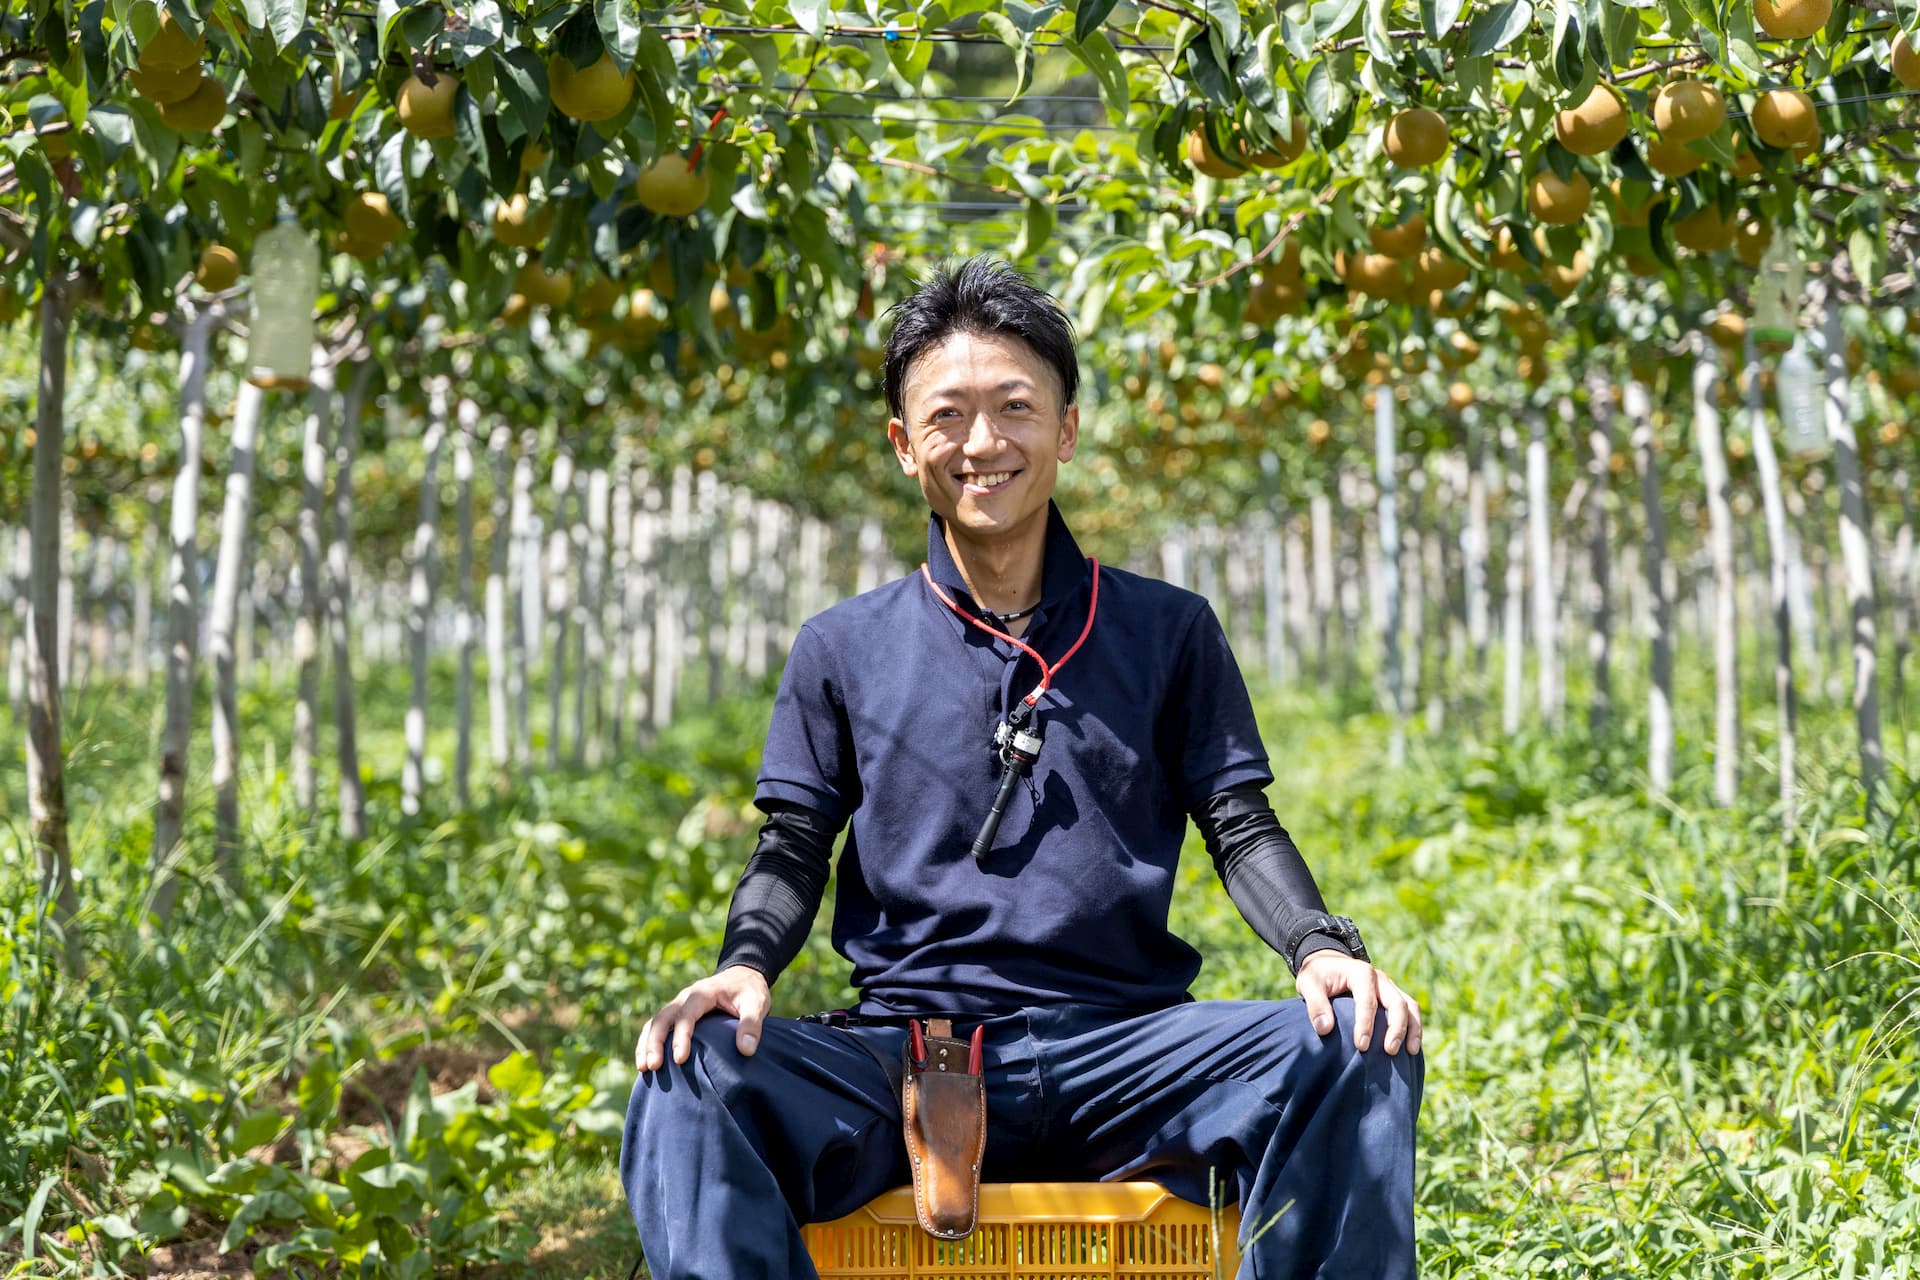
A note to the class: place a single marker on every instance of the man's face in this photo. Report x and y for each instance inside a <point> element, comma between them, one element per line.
<point>984,432</point>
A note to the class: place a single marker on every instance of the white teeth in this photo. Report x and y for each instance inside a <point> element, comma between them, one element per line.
<point>988,482</point>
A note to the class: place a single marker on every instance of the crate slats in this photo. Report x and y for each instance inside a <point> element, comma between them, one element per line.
<point>1033,1231</point>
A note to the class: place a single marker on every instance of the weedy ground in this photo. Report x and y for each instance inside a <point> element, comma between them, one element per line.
<point>1664,1039</point>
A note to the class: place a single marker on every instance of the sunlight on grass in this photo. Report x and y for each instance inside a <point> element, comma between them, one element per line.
<point>1662,1040</point>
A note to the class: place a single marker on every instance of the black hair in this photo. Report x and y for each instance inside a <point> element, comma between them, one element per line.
<point>981,296</point>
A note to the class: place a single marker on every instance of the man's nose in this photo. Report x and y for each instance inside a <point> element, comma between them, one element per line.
<point>983,434</point>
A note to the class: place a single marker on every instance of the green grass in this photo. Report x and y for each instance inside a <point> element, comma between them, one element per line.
<point>1663,1040</point>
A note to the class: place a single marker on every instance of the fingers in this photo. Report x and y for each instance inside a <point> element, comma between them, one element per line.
<point>1313,989</point>
<point>674,1022</point>
<point>1366,1006</point>
<point>751,1009</point>
<point>649,1053</point>
<point>1413,1025</point>
<point>693,1007</point>
<point>1398,1010</point>
<point>739,991</point>
<point>651,1048</point>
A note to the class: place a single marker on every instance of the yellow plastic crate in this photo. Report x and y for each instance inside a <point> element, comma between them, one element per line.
<point>1034,1231</point>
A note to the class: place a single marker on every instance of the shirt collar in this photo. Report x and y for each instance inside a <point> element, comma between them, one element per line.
<point>1063,569</point>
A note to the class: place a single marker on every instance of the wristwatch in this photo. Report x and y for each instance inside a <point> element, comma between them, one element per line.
<point>1340,928</point>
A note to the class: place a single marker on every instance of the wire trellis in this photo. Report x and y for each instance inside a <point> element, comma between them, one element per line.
<point>890,35</point>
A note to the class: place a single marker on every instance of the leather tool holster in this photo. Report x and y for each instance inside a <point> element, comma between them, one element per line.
<point>943,1104</point>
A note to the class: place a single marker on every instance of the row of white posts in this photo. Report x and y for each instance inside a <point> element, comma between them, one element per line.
<point>1407,562</point>
<point>607,589</point>
<point>617,587</point>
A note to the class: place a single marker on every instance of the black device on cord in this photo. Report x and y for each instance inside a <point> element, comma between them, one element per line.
<point>1017,742</point>
<point>1019,746</point>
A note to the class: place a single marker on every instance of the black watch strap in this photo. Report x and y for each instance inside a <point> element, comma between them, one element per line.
<point>1340,929</point>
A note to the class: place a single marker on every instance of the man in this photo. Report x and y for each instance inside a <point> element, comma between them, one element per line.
<point>1097,1063</point>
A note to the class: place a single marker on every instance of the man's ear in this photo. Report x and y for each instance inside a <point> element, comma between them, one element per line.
<point>902,446</point>
<point>1069,432</point>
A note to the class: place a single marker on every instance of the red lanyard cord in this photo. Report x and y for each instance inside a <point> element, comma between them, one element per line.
<point>1046,672</point>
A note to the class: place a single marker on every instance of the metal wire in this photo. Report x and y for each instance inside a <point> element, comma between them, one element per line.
<point>944,35</point>
<point>819,91</point>
<point>991,122</point>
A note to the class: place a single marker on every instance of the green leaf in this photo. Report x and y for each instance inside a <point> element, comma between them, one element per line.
<point>1093,302</point>
<point>1088,16</point>
<point>1097,54</point>
<point>1632,166</point>
<point>578,39</point>
<point>1494,29</point>
<point>1015,39</point>
<point>1379,42</point>
<point>1446,223</point>
<point>484,30</point>
<point>396,1174</point>
<point>1330,17</point>
<point>268,1206</point>
<point>385,18</point>
<point>810,15</point>
<point>1569,53</point>
<point>522,79</point>
<point>517,1075</point>
<point>1660,235</point>
<point>620,24</point>
<point>254,1129</point>
<point>286,19</point>
<point>1209,76</point>
<point>1318,92</point>
<point>1865,251</point>
<point>182,1168</point>
<point>811,236</point>
<point>751,203</point>
<point>390,174</point>
<point>93,45</point>
<point>654,56</point>
<point>911,58</point>
<point>30,1221</point>
<point>1716,146</point>
<point>1035,227</point>
<point>1225,16</point>
<point>1559,159</point>
<point>1438,16</point>
<point>1255,78</point>
<point>1281,117</point>
<point>113,126</point>
<point>469,130</point>
<point>1296,37</point>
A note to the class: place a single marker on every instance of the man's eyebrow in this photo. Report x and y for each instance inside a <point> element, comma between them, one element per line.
<point>948,393</point>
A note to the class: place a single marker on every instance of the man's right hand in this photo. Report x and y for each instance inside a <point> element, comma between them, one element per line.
<point>736,989</point>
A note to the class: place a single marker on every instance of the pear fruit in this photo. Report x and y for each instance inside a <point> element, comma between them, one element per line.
<point>1416,138</point>
<point>426,111</point>
<point>671,186</point>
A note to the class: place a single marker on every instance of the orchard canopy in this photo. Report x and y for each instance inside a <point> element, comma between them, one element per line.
<point>1347,181</point>
<point>535,345</point>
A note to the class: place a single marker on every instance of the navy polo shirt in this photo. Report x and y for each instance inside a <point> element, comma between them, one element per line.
<point>884,721</point>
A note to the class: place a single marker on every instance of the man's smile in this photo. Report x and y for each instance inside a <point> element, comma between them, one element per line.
<point>985,482</point>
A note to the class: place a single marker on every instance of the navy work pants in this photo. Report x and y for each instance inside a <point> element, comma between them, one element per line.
<point>725,1156</point>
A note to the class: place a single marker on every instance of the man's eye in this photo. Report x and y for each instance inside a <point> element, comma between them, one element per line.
<point>1018,404</point>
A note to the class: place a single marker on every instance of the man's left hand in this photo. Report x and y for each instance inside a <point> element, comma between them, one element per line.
<point>1329,973</point>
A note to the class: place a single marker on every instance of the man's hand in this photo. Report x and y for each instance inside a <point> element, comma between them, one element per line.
<point>736,989</point>
<point>1329,973</point>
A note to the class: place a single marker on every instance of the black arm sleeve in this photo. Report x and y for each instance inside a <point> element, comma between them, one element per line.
<point>1263,872</point>
<point>779,892</point>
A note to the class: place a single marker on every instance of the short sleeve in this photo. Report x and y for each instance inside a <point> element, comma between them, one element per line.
<point>809,757</point>
<point>1209,738</point>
